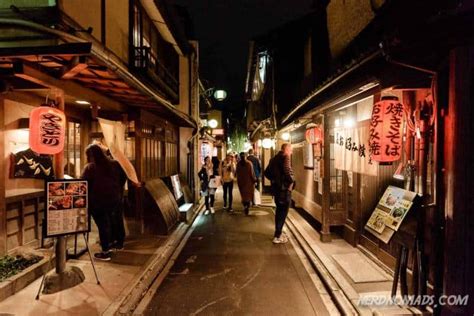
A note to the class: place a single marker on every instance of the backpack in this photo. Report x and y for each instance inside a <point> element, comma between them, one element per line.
<point>268,172</point>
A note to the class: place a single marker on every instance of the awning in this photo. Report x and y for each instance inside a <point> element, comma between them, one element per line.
<point>90,65</point>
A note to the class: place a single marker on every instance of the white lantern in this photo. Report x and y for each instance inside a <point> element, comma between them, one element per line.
<point>285,136</point>
<point>267,143</point>
<point>220,95</point>
<point>212,123</point>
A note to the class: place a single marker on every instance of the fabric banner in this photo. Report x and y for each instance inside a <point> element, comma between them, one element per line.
<point>114,136</point>
<point>351,150</point>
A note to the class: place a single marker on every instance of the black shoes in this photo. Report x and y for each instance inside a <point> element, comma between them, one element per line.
<point>103,256</point>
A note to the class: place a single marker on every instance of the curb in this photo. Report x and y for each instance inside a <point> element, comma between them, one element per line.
<point>131,297</point>
<point>342,302</point>
<point>19,281</point>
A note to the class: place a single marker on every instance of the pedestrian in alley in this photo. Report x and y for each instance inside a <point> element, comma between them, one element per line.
<point>227,176</point>
<point>256,167</point>
<point>105,197</point>
<point>205,175</point>
<point>246,181</point>
<point>280,173</point>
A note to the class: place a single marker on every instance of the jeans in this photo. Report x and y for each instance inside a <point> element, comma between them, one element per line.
<point>282,201</point>
<point>206,200</point>
<point>228,187</point>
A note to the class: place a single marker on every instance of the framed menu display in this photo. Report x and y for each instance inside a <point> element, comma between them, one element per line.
<point>390,212</point>
<point>66,207</point>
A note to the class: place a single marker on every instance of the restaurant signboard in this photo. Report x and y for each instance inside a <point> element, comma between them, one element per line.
<point>66,207</point>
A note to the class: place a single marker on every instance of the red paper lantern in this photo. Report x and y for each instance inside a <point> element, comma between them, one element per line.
<point>314,135</point>
<point>47,129</point>
<point>385,140</point>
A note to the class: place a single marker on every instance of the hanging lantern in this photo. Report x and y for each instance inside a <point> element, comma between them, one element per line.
<point>314,135</point>
<point>47,129</point>
<point>385,139</point>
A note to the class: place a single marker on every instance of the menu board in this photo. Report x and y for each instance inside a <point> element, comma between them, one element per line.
<point>176,184</point>
<point>67,207</point>
<point>390,213</point>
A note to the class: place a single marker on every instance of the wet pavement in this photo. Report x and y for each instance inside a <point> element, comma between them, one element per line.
<point>230,266</point>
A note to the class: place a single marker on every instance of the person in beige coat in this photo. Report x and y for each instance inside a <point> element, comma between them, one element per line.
<point>246,181</point>
<point>227,173</point>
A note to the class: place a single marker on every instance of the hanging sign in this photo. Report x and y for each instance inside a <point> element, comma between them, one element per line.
<point>66,207</point>
<point>351,150</point>
<point>314,135</point>
<point>386,130</point>
<point>47,129</point>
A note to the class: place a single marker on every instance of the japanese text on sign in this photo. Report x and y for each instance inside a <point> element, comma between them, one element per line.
<point>385,139</point>
<point>351,150</point>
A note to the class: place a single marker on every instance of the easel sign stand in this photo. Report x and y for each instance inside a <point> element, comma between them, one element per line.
<point>391,218</point>
<point>66,214</point>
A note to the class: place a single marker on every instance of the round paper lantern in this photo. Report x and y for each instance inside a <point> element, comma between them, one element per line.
<point>266,143</point>
<point>314,135</point>
<point>47,129</point>
<point>385,139</point>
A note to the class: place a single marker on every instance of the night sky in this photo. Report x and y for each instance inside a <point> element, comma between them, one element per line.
<point>224,28</point>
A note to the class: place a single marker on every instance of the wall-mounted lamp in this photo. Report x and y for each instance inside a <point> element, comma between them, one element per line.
<point>83,102</point>
<point>212,123</point>
<point>285,136</point>
<point>400,172</point>
<point>220,95</point>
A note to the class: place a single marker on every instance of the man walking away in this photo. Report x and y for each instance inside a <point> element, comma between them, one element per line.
<point>257,169</point>
<point>280,173</point>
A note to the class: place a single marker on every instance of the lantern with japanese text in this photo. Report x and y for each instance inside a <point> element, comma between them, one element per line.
<point>385,138</point>
<point>47,129</point>
<point>313,135</point>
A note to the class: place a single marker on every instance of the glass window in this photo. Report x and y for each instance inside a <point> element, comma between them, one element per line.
<point>73,149</point>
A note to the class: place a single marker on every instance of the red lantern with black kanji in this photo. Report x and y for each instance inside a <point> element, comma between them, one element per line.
<point>314,135</point>
<point>47,130</point>
<point>385,140</point>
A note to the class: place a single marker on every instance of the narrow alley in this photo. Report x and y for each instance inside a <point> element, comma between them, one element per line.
<point>230,266</point>
<point>121,119</point>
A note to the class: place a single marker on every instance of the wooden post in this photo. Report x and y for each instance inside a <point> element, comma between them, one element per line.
<point>3,210</point>
<point>59,172</point>
<point>459,182</point>
<point>326,214</point>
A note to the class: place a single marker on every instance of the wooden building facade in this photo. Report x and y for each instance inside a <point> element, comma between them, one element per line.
<point>330,75</point>
<point>125,61</point>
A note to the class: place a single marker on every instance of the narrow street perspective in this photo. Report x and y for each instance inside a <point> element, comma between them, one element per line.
<point>231,267</point>
<point>244,157</point>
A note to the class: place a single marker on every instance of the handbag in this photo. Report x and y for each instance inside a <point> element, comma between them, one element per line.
<point>215,182</point>
<point>257,198</point>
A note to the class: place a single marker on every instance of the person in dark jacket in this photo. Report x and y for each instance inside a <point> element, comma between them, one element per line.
<point>205,175</point>
<point>280,173</point>
<point>256,167</point>
<point>105,196</point>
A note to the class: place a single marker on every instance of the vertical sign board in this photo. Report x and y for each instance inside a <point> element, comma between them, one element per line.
<point>66,207</point>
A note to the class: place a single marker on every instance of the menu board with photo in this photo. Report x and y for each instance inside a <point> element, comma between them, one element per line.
<point>67,207</point>
<point>390,213</point>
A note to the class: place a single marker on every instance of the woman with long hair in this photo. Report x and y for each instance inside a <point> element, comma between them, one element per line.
<point>246,181</point>
<point>106,179</point>
<point>205,175</point>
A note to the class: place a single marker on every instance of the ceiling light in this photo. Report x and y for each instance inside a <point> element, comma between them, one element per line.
<point>82,102</point>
